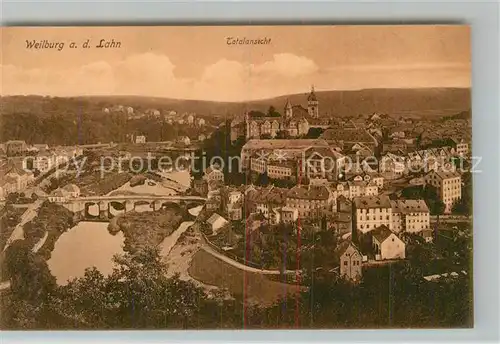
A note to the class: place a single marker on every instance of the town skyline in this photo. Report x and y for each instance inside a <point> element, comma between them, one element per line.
<point>180,64</point>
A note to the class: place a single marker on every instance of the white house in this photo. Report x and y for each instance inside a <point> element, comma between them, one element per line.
<point>387,245</point>
<point>140,139</point>
<point>65,193</point>
<point>216,222</point>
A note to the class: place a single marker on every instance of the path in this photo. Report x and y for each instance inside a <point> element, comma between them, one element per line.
<point>40,243</point>
<point>169,242</point>
<point>28,215</point>
<point>239,265</point>
<point>4,285</point>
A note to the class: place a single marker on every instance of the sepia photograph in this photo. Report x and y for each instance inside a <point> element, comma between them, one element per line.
<point>236,177</point>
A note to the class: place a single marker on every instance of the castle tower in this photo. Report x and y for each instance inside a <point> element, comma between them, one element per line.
<point>288,109</point>
<point>312,104</point>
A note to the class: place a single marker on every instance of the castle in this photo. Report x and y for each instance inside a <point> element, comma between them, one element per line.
<point>295,122</point>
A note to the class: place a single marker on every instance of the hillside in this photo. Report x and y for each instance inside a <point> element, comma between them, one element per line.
<point>57,120</point>
<point>420,102</point>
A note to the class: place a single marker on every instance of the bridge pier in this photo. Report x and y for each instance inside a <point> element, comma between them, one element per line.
<point>157,205</point>
<point>129,206</point>
<point>103,210</point>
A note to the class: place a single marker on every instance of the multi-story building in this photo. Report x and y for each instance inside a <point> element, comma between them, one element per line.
<point>461,147</point>
<point>448,187</point>
<point>370,212</point>
<point>279,149</point>
<point>322,163</point>
<point>410,216</point>
<point>311,200</point>
<point>294,122</point>
<point>282,169</point>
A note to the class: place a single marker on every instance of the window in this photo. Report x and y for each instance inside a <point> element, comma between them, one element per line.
<point>345,263</point>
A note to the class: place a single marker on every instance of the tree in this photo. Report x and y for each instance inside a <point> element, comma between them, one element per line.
<point>271,112</point>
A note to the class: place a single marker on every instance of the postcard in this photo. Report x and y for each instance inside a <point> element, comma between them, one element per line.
<point>236,177</point>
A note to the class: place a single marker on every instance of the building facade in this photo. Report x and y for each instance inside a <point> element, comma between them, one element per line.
<point>448,187</point>
<point>370,212</point>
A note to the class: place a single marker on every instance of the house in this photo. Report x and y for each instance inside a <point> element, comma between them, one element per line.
<point>289,215</point>
<point>410,216</point>
<point>448,187</point>
<point>15,147</point>
<point>461,147</point>
<point>200,122</point>
<point>8,185</point>
<point>72,190</point>
<point>140,139</point>
<point>213,173</point>
<point>14,178</point>
<point>216,222</point>
<point>370,212</point>
<point>185,140</point>
<point>64,193</point>
<point>350,260</point>
<point>392,166</point>
<point>387,245</point>
<point>200,186</point>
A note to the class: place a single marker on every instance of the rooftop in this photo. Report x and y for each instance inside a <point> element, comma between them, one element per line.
<point>284,144</point>
<point>409,206</point>
<point>381,233</point>
<point>316,192</point>
<point>367,202</point>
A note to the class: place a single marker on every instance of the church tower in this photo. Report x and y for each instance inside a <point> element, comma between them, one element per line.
<point>288,110</point>
<point>312,104</point>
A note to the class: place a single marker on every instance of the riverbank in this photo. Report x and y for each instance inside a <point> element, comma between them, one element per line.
<point>148,228</point>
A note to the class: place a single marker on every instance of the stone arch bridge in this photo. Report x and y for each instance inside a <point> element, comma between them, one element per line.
<point>124,204</point>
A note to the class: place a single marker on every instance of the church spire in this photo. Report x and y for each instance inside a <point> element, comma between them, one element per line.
<point>312,104</point>
<point>312,95</point>
<point>288,109</point>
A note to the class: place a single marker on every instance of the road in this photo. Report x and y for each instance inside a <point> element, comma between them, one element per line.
<point>239,265</point>
<point>28,215</point>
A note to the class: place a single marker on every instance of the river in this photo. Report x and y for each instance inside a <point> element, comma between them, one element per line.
<point>85,245</point>
<point>90,244</point>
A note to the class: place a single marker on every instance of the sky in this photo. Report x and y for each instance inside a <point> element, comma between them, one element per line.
<point>193,62</point>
